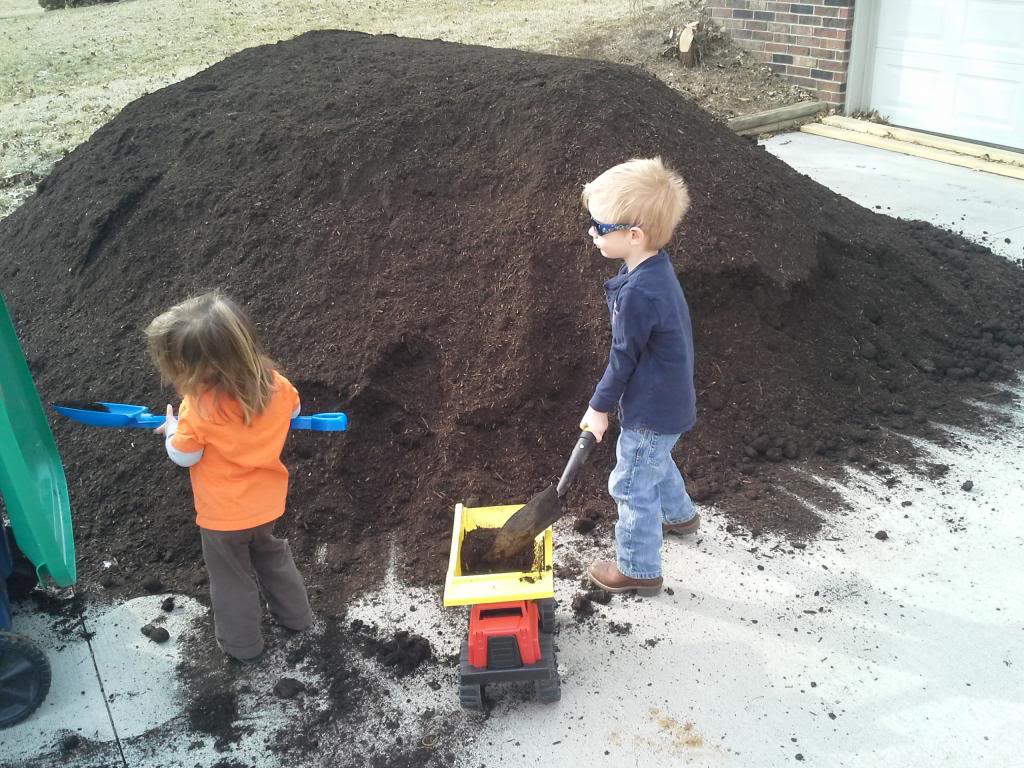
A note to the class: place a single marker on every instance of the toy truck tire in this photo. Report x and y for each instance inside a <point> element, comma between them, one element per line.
<point>549,691</point>
<point>471,697</point>
<point>24,678</point>
<point>548,622</point>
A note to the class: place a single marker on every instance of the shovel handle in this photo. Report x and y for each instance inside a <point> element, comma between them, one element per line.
<point>315,422</point>
<point>580,453</point>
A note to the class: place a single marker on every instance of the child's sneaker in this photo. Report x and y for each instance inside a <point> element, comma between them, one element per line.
<point>606,575</point>
<point>682,529</point>
<point>247,661</point>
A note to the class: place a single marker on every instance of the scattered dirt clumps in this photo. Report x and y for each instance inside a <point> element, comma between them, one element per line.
<point>583,602</point>
<point>214,712</point>
<point>402,219</point>
<point>403,652</point>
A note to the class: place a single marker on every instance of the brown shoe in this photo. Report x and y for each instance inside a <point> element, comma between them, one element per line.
<point>606,575</point>
<point>682,529</point>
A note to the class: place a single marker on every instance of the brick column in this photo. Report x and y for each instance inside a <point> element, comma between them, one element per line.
<point>807,43</point>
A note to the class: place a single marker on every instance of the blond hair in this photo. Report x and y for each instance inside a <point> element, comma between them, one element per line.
<point>208,344</point>
<point>642,192</point>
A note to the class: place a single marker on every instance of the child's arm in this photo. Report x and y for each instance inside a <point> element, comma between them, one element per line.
<point>170,428</point>
<point>632,323</point>
<point>292,394</point>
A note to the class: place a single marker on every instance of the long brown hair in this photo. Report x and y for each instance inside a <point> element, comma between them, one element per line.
<point>208,343</point>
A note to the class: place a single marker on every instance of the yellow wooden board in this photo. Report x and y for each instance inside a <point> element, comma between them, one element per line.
<point>917,150</point>
<point>981,151</point>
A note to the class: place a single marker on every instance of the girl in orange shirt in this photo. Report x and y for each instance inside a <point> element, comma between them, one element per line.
<point>234,417</point>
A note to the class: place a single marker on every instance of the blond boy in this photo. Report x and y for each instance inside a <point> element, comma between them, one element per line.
<point>634,209</point>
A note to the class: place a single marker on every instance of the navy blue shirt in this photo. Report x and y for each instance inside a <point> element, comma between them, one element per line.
<point>650,364</point>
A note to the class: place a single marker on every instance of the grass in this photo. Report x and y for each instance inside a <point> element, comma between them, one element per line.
<point>68,72</point>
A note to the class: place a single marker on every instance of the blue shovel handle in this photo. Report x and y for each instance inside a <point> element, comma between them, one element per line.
<point>123,415</point>
<point>322,422</point>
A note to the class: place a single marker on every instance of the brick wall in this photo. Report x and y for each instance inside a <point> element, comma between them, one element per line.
<point>807,43</point>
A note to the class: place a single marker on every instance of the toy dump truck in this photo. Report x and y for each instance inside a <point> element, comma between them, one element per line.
<point>35,495</point>
<point>511,616</point>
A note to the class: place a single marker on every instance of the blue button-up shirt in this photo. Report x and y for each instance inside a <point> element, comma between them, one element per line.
<point>650,363</point>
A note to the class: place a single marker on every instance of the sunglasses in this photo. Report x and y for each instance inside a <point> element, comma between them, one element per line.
<point>604,229</point>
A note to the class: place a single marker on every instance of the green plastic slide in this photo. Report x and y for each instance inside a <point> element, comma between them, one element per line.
<point>31,473</point>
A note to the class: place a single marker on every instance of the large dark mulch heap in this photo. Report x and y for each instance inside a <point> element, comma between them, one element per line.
<point>402,218</point>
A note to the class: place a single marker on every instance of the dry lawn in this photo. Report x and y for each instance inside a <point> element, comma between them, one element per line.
<point>65,73</point>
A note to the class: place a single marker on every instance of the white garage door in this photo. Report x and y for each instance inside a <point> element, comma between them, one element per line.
<point>953,67</point>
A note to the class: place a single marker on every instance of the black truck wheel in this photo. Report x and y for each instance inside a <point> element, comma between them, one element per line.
<point>547,615</point>
<point>471,697</point>
<point>24,678</point>
<point>549,691</point>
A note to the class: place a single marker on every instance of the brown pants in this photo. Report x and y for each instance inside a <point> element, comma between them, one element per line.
<point>241,564</point>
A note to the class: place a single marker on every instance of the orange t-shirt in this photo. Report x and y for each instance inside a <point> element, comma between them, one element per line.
<point>240,481</point>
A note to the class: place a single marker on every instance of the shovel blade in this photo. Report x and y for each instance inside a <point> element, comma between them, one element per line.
<point>524,526</point>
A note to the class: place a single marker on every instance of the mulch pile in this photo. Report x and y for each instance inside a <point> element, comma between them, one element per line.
<point>402,219</point>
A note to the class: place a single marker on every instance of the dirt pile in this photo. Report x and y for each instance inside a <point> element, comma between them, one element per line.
<point>402,219</point>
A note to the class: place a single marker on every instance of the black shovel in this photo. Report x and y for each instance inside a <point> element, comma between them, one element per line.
<point>544,508</point>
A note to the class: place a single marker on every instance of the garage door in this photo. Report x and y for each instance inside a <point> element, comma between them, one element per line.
<point>952,66</point>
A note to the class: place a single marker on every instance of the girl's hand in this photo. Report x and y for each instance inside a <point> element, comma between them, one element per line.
<point>170,425</point>
<point>596,422</point>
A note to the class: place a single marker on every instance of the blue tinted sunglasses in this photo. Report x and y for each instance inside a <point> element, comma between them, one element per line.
<point>604,229</point>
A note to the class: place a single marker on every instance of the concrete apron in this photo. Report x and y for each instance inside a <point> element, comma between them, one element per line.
<point>983,207</point>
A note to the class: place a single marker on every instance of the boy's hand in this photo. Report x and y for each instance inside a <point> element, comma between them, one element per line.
<point>170,425</point>
<point>596,422</point>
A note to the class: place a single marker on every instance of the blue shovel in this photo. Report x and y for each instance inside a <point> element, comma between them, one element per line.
<point>124,415</point>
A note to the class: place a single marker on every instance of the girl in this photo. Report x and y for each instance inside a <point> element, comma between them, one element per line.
<point>231,427</point>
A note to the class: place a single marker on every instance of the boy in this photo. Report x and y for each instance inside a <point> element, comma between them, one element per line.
<point>634,208</point>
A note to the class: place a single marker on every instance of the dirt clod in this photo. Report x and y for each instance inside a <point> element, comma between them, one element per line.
<point>584,525</point>
<point>156,634</point>
<point>108,580</point>
<point>288,688</point>
<point>583,602</point>
<point>403,652</point>
<point>69,742</point>
<point>620,628</point>
<point>582,605</point>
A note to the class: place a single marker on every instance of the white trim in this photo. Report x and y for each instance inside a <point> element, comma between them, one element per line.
<point>860,72</point>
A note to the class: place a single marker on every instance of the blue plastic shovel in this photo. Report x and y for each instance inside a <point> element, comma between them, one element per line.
<point>124,415</point>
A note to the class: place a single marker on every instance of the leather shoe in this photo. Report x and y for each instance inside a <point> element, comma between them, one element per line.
<point>606,575</point>
<point>682,529</point>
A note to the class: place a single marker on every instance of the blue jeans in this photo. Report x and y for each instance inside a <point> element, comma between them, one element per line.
<point>648,489</point>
